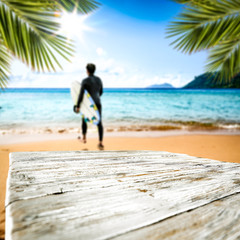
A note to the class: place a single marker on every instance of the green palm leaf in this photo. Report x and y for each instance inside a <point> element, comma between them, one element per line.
<point>82,6</point>
<point>225,57</point>
<point>5,62</point>
<point>212,25</point>
<point>29,30</point>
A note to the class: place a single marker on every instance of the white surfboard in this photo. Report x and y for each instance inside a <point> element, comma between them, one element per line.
<point>88,107</point>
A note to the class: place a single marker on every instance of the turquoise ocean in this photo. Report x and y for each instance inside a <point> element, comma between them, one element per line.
<point>49,110</point>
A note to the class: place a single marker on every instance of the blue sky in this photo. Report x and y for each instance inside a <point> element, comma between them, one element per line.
<point>126,39</point>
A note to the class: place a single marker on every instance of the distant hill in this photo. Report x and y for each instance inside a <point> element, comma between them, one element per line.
<point>164,85</point>
<point>207,80</point>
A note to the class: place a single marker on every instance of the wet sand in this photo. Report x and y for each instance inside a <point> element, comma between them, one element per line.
<point>218,147</point>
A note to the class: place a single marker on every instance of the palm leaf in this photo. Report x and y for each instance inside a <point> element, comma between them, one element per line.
<point>225,57</point>
<point>5,62</point>
<point>203,27</point>
<point>29,30</point>
<point>195,2</point>
<point>205,24</point>
<point>82,6</point>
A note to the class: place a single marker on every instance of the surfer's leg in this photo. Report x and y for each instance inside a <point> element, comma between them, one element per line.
<point>100,129</point>
<point>100,134</point>
<point>84,130</point>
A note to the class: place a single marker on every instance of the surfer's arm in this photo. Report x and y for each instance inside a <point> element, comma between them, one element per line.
<point>101,88</point>
<point>76,109</point>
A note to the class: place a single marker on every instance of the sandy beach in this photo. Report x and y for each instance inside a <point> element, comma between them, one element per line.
<point>213,146</point>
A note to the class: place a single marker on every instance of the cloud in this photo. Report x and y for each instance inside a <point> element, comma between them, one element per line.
<point>101,52</point>
<point>112,72</point>
<point>109,70</point>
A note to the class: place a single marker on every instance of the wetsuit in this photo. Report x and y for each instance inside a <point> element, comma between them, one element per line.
<point>93,85</point>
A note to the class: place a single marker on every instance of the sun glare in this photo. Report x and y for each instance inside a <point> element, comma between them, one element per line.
<point>73,25</point>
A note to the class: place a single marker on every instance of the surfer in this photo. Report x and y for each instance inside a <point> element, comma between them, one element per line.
<point>94,86</point>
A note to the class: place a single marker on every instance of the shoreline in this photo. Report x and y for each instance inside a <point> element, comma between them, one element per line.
<point>16,138</point>
<point>217,145</point>
<point>151,126</point>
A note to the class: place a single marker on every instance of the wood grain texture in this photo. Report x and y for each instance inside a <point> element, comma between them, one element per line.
<point>103,195</point>
<point>217,220</point>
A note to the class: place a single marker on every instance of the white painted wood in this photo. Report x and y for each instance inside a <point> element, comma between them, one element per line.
<point>217,220</point>
<point>102,195</point>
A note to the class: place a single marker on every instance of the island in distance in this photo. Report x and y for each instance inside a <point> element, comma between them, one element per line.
<point>161,86</point>
<point>203,81</point>
<point>207,81</point>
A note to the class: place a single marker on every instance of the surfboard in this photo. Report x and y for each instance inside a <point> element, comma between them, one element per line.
<point>88,108</point>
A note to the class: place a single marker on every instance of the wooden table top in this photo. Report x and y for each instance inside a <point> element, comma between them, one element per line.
<point>121,195</point>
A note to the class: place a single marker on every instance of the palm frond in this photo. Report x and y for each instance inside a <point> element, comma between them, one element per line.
<point>5,62</point>
<point>82,6</point>
<point>203,27</point>
<point>29,31</point>
<point>208,24</point>
<point>31,35</point>
<point>195,2</point>
<point>225,57</point>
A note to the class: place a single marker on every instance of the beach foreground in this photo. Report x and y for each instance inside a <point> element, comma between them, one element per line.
<point>218,147</point>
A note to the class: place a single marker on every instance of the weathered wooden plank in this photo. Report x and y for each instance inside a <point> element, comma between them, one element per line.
<point>217,220</point>
<point>100,195</point>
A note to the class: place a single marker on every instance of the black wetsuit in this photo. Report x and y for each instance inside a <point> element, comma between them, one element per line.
<point>93,85</point>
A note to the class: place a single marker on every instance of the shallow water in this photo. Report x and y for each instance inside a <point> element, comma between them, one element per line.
<point>125,109</point>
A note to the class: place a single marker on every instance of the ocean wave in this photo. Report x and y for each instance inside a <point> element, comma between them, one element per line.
<point>189,126</point>
<point>123,127</point>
